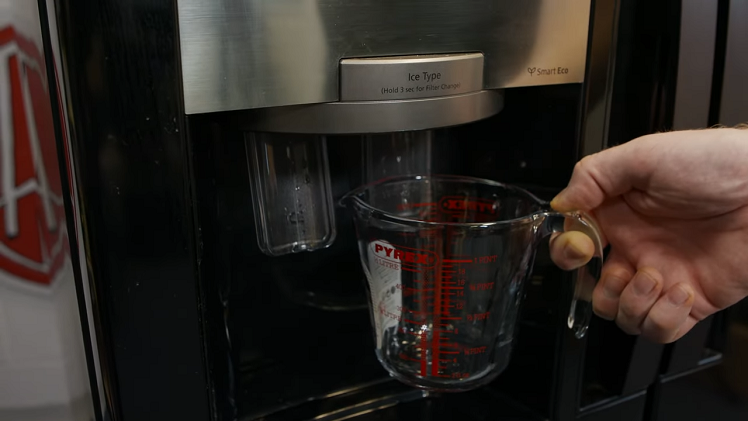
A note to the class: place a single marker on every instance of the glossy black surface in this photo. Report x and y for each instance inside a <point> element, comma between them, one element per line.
<point>720,50</point>
<point>389,401</point>
<point>122,71</point>
<point>696,395</point>
<point>646,69</point>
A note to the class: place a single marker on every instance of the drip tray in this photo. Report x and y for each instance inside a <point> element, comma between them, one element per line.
<point>390,400</point>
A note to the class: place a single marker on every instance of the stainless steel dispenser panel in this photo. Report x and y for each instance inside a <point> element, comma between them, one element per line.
<point>239,54</point>
<point>407,77</point>
<point>360,117</point>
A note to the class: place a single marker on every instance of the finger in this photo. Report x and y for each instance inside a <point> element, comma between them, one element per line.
<point>605,174</point>
<point>571,250</point>
<point>616,275</point>
<point>637,299</point>
<point>669,318</point>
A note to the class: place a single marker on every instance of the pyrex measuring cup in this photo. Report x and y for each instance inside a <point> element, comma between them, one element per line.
<point>446,258</point>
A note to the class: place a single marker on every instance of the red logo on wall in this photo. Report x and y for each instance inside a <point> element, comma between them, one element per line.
<point>33,238</point>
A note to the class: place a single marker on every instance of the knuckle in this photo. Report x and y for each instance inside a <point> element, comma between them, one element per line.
<point>659,332</point>
<point>584,163</point>
<point>657,326</point>
<point>628,311</point>
<point>630,328</point>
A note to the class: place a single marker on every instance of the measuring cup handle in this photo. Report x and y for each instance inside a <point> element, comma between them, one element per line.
<point>587,276</point>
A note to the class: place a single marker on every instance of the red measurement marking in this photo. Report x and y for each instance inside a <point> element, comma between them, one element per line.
<point>435,351</point>
<point>482,287</point>
<point>450,352</point>
<point>409,269</point>
<point>453,287</point>
<point>478,316</point>
<point>457,261</point>
<point>412,321</point>
<point>476,350</point>
<point>451,318</point>
<point>415,311</point>
<point>486,259</point>
<point>405,206</point>
<point>460,204</point>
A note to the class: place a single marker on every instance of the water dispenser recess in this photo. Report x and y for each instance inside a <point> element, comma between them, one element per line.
<point>392,104</point>
<point>291,193</point>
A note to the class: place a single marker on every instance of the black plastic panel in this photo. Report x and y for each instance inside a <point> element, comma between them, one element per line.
<point>130,154</point>
<point>646,69</point>
<point>696,395</point>
<point>630,408</point>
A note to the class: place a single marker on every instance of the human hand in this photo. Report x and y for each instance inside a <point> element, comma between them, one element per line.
<point>674,209</point>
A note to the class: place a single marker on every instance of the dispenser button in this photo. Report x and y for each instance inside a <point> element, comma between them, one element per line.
<point>409,77</point>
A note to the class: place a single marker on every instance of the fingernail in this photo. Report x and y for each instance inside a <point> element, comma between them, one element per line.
<point>572,252</point>
<point>679,295</point>
<point>613,286</point>
<point>644,283</point>
<point>559,202</point>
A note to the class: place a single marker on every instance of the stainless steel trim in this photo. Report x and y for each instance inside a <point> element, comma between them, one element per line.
<point>408,77</point>
<point>698,33</point>
<point>734,105</point>
<point>239,54</point>
<point>375,116</point>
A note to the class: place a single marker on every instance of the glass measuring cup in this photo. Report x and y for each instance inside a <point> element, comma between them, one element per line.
<point>446,258</point>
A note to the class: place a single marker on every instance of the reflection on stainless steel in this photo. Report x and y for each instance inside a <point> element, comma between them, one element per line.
<point>239,54</point>
<point>376,116</point>
<point>373,405</point>
<point>406,77</point>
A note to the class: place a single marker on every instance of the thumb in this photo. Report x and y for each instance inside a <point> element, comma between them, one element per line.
<point>605,175</point>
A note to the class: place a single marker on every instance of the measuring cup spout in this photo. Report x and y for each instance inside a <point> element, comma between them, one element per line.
<point>586,277</point>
